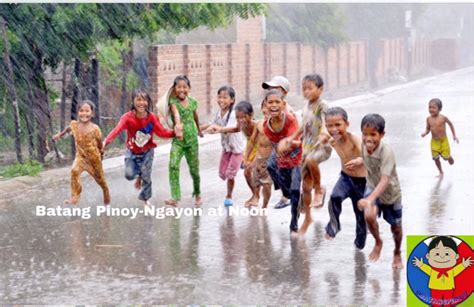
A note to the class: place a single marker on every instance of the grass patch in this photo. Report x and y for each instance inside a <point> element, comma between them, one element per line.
<point>29,168</point>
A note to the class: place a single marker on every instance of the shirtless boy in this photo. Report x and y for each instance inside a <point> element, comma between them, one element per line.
<point>260,176</point>
<point>351,182</point>
<point>436,124</point>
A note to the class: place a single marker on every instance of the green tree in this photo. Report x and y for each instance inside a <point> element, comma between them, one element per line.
<point>11,89</point>
<point>47,34</point>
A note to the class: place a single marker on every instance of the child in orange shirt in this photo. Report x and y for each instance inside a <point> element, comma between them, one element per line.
<point>89,151</point>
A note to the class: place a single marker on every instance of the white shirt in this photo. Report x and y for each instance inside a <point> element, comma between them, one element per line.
<point>233,142</point>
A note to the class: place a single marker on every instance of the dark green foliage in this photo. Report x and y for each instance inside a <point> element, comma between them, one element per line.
<point>44,35</point>
<point>29,168</point>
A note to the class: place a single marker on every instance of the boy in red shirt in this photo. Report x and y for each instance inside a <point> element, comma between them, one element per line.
<point>286,173</point>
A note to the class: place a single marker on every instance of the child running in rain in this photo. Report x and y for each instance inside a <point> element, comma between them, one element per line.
<point>244,115</point>
<point>89,151</point>
<point>281,84</point>
<point>279,126</point>
<point>260,176</point>
<point>225,123</point>
<point>315,147</point>
<point>436,124</point>
<point>382,194</point>
<point>185,117</point>
<point>351,182</point>
<point>140,124</point>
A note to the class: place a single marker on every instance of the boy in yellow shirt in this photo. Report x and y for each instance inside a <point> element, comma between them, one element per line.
<point>442,256</point>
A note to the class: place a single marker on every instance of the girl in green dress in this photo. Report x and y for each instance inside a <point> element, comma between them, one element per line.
<point>185,117</point>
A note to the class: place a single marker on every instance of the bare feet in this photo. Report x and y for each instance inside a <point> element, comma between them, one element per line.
<point>318,199</point>
<point>397,261</point>
<point>72,201</point>
<point>306,223</point>
<point>375,253</point>
<point>138,183</point>
<point>198,201</point>
<point>171,202</point>
<point>328,237</point>
<point>251,202</point>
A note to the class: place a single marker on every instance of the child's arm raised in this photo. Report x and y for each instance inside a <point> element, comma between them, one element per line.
<point>225,129</point>
<point>207,127</point>
<point>204,126</point>
<point>59,135</point>
<point>220,129</point>
<point>116,131</point>
<point>451,126</point>
<point>427,129</point>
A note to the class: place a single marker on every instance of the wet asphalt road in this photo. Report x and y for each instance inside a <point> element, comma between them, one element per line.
<point>240,259</point>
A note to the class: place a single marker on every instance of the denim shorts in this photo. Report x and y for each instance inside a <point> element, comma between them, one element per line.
<point>392,213</point>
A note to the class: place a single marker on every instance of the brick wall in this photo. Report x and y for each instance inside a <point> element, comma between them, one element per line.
<point>249,61</point>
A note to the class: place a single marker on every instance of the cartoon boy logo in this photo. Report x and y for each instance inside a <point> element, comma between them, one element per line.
<point>447,260</point>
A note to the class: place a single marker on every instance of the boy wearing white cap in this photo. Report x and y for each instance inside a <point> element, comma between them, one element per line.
<point>280,83</point>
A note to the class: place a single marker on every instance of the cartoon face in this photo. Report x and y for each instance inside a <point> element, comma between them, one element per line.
<point>85,113</point>
<point>275,105</point>
<point>311,91</point>
<point>433,109</point>
<point>181,90</point>
<point>224,100</point>
<point>244,119</point>
<point>442,257</point>
<point>337,126</point>
<point>140,104</point>
<point>371,138</point>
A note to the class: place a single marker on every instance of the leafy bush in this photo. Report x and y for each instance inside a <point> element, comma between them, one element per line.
<point>29,168</point>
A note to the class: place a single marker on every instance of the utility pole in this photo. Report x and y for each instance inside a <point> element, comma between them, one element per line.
<point>11,89</point>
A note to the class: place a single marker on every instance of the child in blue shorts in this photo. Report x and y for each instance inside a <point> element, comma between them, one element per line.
<point>383,194</point>
<point>351,183</point>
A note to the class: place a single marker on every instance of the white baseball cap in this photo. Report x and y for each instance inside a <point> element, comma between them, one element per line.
<point>277,81</point>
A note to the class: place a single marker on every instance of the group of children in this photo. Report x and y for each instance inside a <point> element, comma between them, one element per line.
<point>278,152</point>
